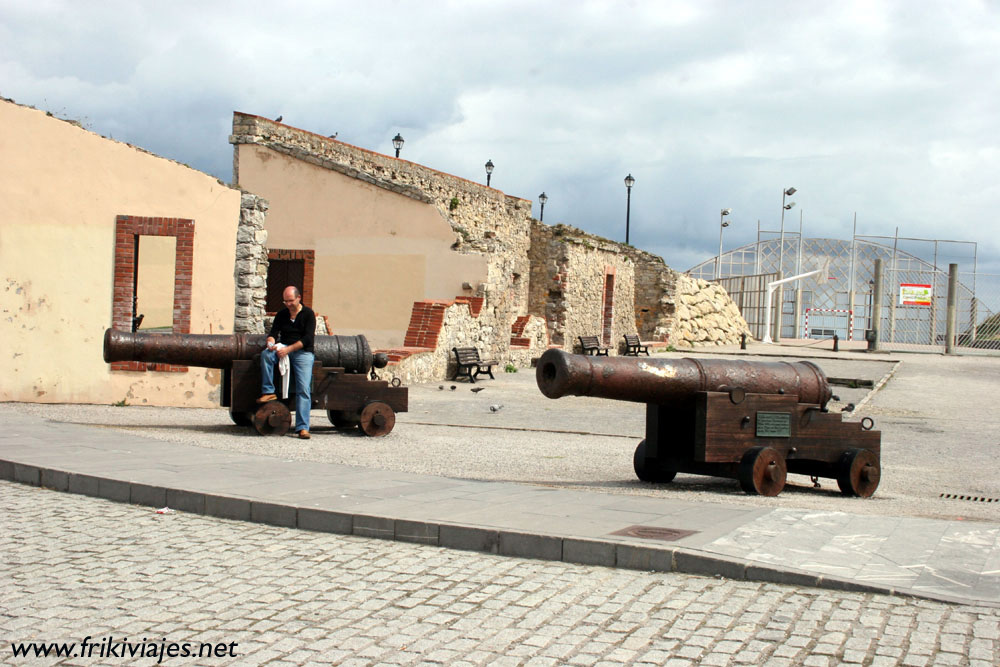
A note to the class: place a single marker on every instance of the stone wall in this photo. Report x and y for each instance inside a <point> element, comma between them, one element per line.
<point>655,287</point>
<point>546,285</point>
<point>485,220</point>
<point>457,324</point>
<point>570,270</point>
<point>251,266</point>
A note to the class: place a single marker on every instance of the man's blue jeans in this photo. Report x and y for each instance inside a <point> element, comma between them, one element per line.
<point>302,371</point>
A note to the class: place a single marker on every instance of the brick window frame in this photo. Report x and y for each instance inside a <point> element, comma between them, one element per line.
<point>308,258</point>
<point>127,228</point>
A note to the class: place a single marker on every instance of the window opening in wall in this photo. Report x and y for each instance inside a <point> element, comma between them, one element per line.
<point>130,280</point>
<point>609,307</point>
<point>280,274</point>
<point>153,303</point>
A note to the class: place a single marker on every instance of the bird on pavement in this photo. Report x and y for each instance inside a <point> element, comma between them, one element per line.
<point>476,390</point>
<point>496,408</point>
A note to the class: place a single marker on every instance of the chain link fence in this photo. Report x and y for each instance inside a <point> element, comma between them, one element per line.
<point>914,300</point>
<point>982,310</point>
<point>915,311</point>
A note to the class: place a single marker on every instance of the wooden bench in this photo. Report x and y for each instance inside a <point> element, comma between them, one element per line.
<point>633,346</point>
<point>469,361</point>
<point>590,345</point>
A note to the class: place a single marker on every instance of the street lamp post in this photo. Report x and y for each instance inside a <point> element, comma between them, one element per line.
<point>489,171</point>
<point>397,143</point>
<point>722,224</point>
<point>629,182</point>
<point>542,198</point>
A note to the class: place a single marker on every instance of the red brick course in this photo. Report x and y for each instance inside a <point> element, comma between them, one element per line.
<point>517,338</point>
<point>427,318</point>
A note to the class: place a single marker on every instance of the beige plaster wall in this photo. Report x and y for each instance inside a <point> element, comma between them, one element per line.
<point>376,251</point>
<point>61,188</point>
<point>155,289</point>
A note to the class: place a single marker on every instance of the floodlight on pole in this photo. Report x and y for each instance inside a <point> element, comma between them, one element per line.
<point>723,223</point>
<point>787,192</point>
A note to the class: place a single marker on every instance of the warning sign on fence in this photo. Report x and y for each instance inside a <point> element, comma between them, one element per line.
<point>914,294</point>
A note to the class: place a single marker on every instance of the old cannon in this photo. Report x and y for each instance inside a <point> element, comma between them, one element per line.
<point>747,420</point>
<point>340,382</point>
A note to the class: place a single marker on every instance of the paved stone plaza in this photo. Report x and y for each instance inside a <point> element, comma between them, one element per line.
<point>76,566</point>
<point>549,480</point>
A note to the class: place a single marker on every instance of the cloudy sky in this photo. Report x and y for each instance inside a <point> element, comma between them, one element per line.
<point>890,110</point>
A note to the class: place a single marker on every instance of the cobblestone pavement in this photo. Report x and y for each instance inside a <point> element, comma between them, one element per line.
<point>74,567</point>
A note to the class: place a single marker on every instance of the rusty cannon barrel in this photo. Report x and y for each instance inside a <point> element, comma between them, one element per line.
<point>351,353</point>
<point>665,380</point>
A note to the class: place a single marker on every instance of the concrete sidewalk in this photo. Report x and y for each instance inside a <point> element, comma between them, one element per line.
<point>939,559</point>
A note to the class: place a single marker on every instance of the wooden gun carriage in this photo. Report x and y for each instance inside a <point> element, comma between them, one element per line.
<point>747,420</point>
<point>340,381</point>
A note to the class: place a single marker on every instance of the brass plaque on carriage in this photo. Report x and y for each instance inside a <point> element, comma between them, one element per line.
<point>774,425</point>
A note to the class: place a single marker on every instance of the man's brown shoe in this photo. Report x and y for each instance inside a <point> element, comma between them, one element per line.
<point>267,398</point>
<point>304,434</point>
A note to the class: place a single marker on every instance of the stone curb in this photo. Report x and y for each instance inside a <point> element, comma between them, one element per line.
<point>451,536</point>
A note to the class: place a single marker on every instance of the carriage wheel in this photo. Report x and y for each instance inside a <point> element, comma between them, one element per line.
<point>858,473</point>
<point>762,471</point>
<point>241,418</point>
<point>343,419</point>
<point>272,418</point>
<point>377,419</point>
<point>647,470</point>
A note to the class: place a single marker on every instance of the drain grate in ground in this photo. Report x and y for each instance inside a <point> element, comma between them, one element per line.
<point>654,533</point>
<point>975,499</point>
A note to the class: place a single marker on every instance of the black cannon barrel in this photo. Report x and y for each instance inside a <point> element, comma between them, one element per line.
<point>351,353</point>
<point>656,380</point>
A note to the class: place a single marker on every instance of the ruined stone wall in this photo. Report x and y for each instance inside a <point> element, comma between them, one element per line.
<point>569,273</point>
<point>556,275</point>
<point>655,289</point>
<point>536,336</point>
<point>460,327</point>
<point>485,220</point>
<point>251,266</point>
